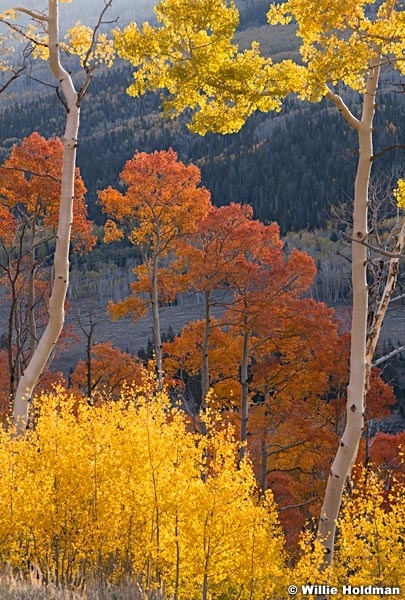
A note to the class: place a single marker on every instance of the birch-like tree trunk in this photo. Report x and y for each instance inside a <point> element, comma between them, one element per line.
<point>54,327</point>
<point>360,361</point>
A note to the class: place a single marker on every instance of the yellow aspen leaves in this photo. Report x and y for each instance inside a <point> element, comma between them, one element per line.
<point>127,490</point>
<point>399,194</point>
<point>191,54</point>
<point>338,40</point>
<point>80,41</point>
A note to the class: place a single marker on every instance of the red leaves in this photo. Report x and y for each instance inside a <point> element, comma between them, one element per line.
<point>30,189</point>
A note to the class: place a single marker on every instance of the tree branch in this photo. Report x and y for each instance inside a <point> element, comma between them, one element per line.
<point>37,16</point>
<point>48,175</point>
<point>374,248</point>
<point>15,75</point>
<point>298,505</point>
<point>388,356</point>
<point>393,147</point>
<point>343,109</point>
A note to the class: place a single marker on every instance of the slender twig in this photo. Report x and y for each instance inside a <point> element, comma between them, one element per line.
<point>48,175</point>
<point>298,505</point>
<point>393,147</point>
<point>37,16</point>
<point>374,248</point>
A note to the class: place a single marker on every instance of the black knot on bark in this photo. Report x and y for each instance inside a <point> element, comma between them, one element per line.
<point>353,408</point>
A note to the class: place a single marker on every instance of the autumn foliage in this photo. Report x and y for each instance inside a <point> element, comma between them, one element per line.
<point>126,490</point>
<point>30,191</point>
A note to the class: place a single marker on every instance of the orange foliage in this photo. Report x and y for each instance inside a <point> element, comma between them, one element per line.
<point>386,453</point>
<point>30,189</point>
<point>162,203</point>
<point>183,359</point>
<point>110,369</point>
<point>210,254</point>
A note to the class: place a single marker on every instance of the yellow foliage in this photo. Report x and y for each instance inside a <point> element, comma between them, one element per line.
<point>338,41</point>
<point>370,548</point>
<point>399,194</point>
<point>81,43</point>
<point>111,232</point>
<point>191,55</point>
<point>124,489</point>
<point>5,49</point>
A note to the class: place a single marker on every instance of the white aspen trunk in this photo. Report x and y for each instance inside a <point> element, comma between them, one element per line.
<point>359,367</point>
<point>56,311</point>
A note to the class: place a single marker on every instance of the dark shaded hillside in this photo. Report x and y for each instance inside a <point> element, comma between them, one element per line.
<point>290,166</point>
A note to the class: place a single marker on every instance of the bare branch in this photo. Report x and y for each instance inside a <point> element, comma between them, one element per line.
<point>393,147</point>
<point>37,16</point>
<point>107,5</point>
<point>61,98</point>
<point>400,297</point>
<point>14,76</point>
<point>23,33</point>
<point>298,505</point>
<point>374,248</point>
<point>388,356</point>
<point>46,175</point>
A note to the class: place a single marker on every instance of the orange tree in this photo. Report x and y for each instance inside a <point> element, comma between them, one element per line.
<point>210,258</point>
<point>106,370</point>
<point>162,203</point>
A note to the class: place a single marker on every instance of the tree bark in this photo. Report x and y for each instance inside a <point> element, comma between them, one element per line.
<point>157,337</point>
<point>205,364</point>
<point>359,360</point>
<point>32,329</point>
<point>244,402</point>
<point>56,311</point>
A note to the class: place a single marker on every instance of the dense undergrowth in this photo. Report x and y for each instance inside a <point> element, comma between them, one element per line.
<point>125,494</point>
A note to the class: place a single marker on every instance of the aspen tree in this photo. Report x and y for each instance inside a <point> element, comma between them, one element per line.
<point>92,48</point>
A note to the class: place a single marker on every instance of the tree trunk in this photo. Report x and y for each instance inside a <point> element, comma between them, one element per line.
<point>359,367</point>
<point>244,401</point>
<point>205,364</point>
<point>264,466</point>
<point>32,329</point>
<point>54,327</point>
<point>157,338</point>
